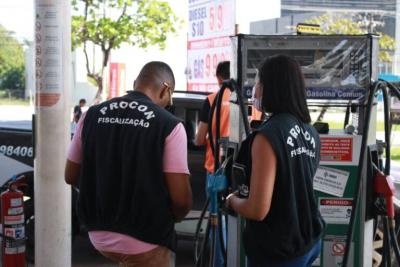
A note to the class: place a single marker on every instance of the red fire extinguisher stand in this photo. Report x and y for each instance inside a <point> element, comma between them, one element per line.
<point>13,226</point>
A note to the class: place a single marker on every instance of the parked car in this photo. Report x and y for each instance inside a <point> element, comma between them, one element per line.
<point>16,158</point>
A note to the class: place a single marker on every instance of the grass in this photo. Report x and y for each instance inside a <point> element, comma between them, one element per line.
<point>395,153</point>
<point>380,127</point>
<point>5,99</point>
<point>8,97</point>
<point>14,102</point>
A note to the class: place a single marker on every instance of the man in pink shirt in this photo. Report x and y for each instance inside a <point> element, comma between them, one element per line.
<point>129,159</point>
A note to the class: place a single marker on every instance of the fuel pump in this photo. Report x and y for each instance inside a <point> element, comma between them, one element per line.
<point>352,188</point>
<point>339,71</point>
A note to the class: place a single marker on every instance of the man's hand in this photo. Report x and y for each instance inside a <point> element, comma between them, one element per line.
<point>181,194</point>
<point>201,136</point>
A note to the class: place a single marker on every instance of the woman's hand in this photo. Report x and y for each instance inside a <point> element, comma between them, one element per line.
<point>228,198</point>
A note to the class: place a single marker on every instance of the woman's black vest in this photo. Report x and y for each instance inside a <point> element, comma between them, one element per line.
<point>294,223</point>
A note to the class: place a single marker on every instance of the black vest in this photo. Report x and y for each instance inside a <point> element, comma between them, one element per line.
<point>294,223</point>
<point>122,186</point>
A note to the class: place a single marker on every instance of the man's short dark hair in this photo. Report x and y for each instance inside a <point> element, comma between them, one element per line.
<point>223,70</point>
<point>82,101</point>
<point>282,82</point>
<point>154,73</point>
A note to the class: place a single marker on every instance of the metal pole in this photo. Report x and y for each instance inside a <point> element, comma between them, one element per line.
<point>52,131</point>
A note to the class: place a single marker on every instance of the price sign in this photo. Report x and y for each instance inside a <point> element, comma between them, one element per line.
<point>210,25</point>
<point>209,19</point>
<point>203,58</point>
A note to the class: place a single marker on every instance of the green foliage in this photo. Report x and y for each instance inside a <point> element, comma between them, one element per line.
<point>111,23</point>
<point>14,78</point>
<point>344,24</point>
<point>395,154</point>
<point>12,62</point>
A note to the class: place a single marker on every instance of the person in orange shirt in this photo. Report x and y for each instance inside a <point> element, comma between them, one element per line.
<point>222,73</point>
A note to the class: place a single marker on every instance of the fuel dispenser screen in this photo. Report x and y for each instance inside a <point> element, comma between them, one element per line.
<point>334,67</point>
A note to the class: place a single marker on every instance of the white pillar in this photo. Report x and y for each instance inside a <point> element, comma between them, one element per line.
<point>53,84</point>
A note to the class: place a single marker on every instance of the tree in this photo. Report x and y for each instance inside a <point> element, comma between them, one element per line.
<point>110,23</point>
<point>12,61</point>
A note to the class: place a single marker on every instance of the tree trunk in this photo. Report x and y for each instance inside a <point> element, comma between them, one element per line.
<point>99,82</point>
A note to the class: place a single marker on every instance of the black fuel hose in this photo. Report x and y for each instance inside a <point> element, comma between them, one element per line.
<point>209,129</point>
<point>221,230</point>
<point>395,244</point>
<point>393,89</point>
<point>386,253</point>
<point>386,101</point>
<point>390,232</point>
<point>203,250</point>
<point>215,147</point>
<point>213,244</point>
<point>386,112</point>
<point>347,116</point>
<point>198,227</point>
<point>234,87</point>
<point>374,88</point>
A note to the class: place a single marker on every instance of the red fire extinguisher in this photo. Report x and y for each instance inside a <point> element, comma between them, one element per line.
<point>13,226</point>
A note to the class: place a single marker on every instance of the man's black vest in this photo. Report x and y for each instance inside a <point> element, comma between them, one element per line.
<point>122,186</point>
<point>293,223</point>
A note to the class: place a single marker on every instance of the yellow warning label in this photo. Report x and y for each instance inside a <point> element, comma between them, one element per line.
<point>308,29</point>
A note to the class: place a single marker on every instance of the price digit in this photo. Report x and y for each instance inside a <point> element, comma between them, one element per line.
<point>208,65</point>
<point>201,28</point>
<point>212,18</point>
<point>219,17</point>
<point>215,63</point>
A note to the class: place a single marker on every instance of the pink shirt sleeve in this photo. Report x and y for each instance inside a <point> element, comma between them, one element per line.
<point>75,148</point>
<point>175,151</point>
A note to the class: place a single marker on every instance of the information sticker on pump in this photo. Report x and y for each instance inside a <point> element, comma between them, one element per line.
<point>335,210</point>
<point>331,181</point>
<point>333,250</point>
<point>340,149</point>
<point>336,149</point>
